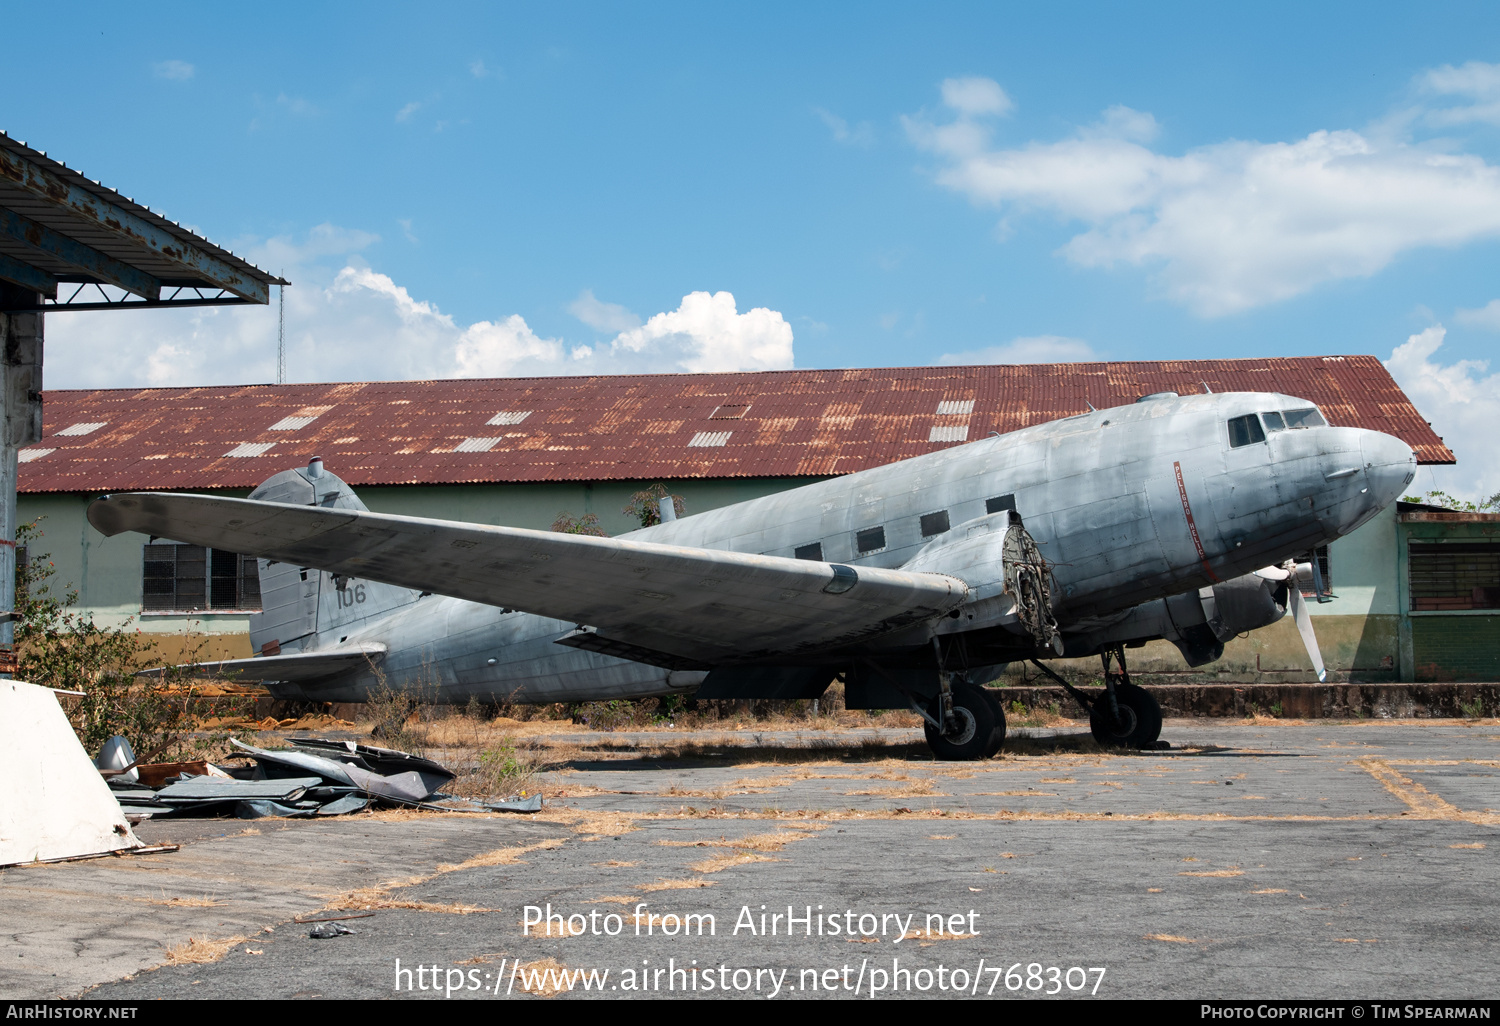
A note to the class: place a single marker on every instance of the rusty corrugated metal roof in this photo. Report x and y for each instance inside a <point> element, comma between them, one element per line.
<point>663,426</point>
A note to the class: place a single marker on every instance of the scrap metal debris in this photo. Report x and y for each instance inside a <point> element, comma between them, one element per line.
<point>315,777</point>
<point>325,930</point>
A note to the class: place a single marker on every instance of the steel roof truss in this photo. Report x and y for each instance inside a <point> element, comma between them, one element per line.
<point>18,272</point>
<point>42,240</point>
<point>85,204</point>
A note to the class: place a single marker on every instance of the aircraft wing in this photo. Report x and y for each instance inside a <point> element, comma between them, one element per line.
<point>294,666</point>
<point>664,604</point>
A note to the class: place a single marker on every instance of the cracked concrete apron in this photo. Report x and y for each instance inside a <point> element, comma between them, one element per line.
<point>1251,860</point>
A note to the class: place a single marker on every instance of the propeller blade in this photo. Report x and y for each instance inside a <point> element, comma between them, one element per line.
<point>1273,573</point>
<point>1305,628</point>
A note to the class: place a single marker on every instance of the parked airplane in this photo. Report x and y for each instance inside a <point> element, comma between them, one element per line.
<point>1176,517</point>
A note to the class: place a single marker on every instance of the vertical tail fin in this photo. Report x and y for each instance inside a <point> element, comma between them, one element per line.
<point>303,608</point>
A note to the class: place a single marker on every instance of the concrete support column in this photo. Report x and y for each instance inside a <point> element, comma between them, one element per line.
<point>20,424</point>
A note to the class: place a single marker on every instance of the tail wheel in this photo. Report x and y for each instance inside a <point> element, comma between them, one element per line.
<point>975,714</point>
<point>1140,718</point>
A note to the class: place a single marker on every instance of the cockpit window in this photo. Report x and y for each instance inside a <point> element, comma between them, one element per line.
<point>1307,418</point>
<point>1273,421</point>
<point>1245,431</point>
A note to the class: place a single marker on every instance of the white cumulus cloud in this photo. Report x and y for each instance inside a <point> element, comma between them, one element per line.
<point>1027,349</point>
<point>1462,401</point>
<point>1487,316</point>
<point>1224,227</point>
<point>976,96</point>
<point>1476,84</point>
<point>173,71</point>
<point>602,316</point>
<point>706,333</point>
<point>346,321</point>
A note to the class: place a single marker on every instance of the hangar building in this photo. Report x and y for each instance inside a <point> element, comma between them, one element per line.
<point>1397,596</point>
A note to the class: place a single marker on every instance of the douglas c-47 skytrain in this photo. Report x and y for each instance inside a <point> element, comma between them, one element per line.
<point>1176,517</point>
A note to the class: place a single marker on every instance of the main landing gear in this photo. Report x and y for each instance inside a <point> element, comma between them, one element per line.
<point>975,723</point>
<point>1125,715</point>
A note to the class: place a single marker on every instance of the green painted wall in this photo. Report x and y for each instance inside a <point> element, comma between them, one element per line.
<point>1447,646</point>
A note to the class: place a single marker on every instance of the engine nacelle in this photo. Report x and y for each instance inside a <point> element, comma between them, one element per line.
<point>1009,582</point>
<point>1197,622</point>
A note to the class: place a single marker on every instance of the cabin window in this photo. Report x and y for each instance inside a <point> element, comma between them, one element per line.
<point>1273,421</point>
<point>870,539</point>
<point>934,523</point>
<point>1307,418</point>
<point>191,577</point>
<point>1245,431</point>
<point>1000,502</point>
<point>1457,575</point>
<point>813,552</point>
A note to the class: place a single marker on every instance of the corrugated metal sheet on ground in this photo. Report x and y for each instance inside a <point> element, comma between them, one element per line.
<point>779,423</point>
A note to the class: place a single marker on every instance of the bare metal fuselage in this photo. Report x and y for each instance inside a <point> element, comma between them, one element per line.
<point>1129,505</point>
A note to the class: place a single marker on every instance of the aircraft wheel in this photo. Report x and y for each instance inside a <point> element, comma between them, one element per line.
<point>976,718</point>
<point>1140,718</point>
<point>997,736</point>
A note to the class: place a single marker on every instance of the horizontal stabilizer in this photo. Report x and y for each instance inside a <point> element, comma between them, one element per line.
<point>295,666</point>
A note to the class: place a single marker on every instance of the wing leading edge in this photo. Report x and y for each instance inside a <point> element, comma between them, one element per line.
<point>711,606</point>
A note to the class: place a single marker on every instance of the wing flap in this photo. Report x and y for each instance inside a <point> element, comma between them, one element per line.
<point>710,605</point>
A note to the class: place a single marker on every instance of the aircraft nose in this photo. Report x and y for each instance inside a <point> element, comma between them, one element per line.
<point>1389,465</point>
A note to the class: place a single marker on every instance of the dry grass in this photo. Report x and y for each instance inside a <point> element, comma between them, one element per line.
<point>1216,872</point>
<point>201,950</point>
<point>614,899</point>
<point>451,908</point>
<point>503,856</point>
<point>928,937</point>
<point>718,863</point>
<point>198,902</point>
<point>1170,938</point>
<point>1271,890</point>
<point>616,864</point>
<point>595,826</point>
<point>374,896</point>
<point>543,974</point>
<point>773,841</point>
<point>1475,845</point>
<point>676,885</point>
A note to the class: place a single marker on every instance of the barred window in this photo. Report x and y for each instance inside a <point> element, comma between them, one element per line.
<point>192,577</point>
<point>1457,575</point>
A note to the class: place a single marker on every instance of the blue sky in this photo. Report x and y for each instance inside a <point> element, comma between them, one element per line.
<point>487,189</point>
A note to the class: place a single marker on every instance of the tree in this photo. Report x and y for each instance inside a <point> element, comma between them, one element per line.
<point>567,523</point>
<point>1437,497</point>
<point>59,647</point>
<point>645,505</point>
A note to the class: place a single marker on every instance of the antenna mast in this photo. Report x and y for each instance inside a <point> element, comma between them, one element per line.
<point>281,334</point>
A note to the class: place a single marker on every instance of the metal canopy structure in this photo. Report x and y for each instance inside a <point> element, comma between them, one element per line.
<point>69,243</point>
<point>82,246</point>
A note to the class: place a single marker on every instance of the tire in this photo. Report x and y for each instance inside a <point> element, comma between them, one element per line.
<point>975,713</point>
<point>997,736</point>
<point>1140,715</point>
